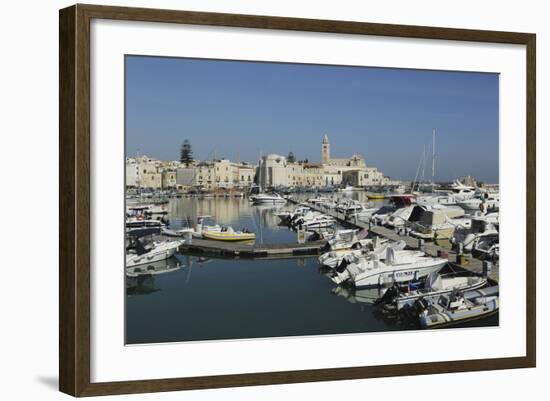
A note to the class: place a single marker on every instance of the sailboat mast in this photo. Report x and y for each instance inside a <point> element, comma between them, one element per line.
<point>433,158</point>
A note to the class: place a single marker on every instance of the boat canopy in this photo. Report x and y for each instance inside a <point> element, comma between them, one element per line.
<point>402,200</point>
<point>434,281</point>
<point>429,216</point>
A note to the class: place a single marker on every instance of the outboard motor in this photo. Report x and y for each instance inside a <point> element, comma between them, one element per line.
<point>389,296</point>
<point>326,247</point>
<point>342,266</point>
<point>420,305</point>
<point>314,237</point>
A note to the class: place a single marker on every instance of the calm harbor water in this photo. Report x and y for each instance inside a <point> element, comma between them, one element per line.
<point>199,298</point>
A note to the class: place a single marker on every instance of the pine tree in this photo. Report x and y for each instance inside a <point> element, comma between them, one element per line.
<point>186,154</point>
<point>290,158</point>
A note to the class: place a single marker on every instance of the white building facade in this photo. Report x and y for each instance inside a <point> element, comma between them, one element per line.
<point>274,170</point>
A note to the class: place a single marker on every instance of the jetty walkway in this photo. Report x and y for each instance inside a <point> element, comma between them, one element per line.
<point>244,250</point>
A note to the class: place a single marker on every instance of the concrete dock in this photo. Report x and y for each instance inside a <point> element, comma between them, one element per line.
<point>243,250</point>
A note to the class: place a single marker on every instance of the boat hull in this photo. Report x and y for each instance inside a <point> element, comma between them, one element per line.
<point>229,237</point>
<point>135,260</point>
<point>395,274</point>
<point>448,317</point>
<point>407,301</point>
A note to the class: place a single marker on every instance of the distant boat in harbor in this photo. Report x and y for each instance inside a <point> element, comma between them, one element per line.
<point>264,198</point>
<point>373,196</point>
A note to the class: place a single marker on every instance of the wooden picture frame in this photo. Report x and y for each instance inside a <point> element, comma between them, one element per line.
<point>74,199</point>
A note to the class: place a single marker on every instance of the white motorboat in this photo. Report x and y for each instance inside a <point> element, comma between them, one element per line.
<point>154,252</point>
<point>289,216</point>
<point>139,222</point>
<point>437,221</point>
<point>273,198</point>
<point>314,220</point>
<point>487,248</point>
<point>333,259</point>
<point>349,238</point>
<point>435,199</point>
<point>376,246</point>
<point>146,209</point>
<point>436,284</point>
<point>481,226</point>
<point>458,191</point>
<point>182,232</point>
<point>459,306</point>
<point>403,206</point>
<point>318,200</point>
<point>398,266</point>
<point>484,203</point>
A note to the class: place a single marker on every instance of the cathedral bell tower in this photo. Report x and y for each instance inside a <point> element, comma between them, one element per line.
<point>325,150</point>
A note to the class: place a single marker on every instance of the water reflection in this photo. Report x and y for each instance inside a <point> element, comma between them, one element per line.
<point>364,296</point>
<point>140,280</point>
<point>197,298</point>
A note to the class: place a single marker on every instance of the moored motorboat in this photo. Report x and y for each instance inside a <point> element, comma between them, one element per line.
<point>437,221</point>
<point>459,306</point>
<point>375,196</point>
<point>398,266</point>
<point>289,216</point>
<point>314,220</point>
<point>273,198</point>
<point>376,247</point>
<point>487,248</point>
<point>228,234</point>
<point>480,227</point>
<point>139,254</point>
<point>487,201</point>
<point>436,284</point>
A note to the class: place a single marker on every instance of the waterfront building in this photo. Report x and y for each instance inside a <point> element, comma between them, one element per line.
<point>185,178</point>
<point>132,173</point>
<point>275,170</point>
<point>169,179</point>
<point>216,175</point>
<point>141,172</point>
<point>151,180</point>
<point>369,176</point>
<point>244,175</point>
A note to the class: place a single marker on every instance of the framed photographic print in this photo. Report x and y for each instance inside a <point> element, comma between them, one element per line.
<point>250,200</point>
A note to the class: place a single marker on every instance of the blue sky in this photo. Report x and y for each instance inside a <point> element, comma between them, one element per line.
<point>239,110</point>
